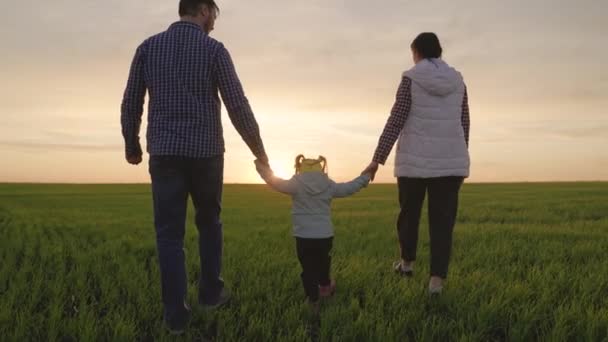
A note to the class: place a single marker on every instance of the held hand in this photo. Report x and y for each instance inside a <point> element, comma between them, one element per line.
<point>263,160</point>
<point>134,159</point>
<point>262,167</point>
<point>371,170</point>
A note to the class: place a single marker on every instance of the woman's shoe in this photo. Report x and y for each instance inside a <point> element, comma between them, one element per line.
<point>404,271</point>
<point>435,286</point>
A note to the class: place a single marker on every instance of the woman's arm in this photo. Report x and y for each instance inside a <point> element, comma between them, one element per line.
<point>465,119</point>
<point>393,126</point>
<point>395,122</point>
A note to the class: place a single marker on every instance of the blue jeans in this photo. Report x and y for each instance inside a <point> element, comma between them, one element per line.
<point>173,179</point>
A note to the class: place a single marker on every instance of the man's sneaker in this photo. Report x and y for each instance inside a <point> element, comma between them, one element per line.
<point>329,290</point>
<point>435,287</point>
<point>404,271</point>
<point>179,327</point>
<point>175,331</point>
<point>223,300</point>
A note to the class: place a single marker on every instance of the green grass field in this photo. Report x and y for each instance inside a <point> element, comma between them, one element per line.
<point>78,262</point>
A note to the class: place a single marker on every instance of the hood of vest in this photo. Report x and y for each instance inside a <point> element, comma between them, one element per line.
<point>435,76</point>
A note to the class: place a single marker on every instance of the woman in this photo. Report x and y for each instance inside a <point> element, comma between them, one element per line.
<point>431,119</point>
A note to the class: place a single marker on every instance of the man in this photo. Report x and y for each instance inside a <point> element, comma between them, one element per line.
<point>183,69</point>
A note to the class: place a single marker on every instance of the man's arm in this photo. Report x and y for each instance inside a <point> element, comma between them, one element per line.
<point>237,105</point>
<point>281,185</point>
<point>132,107</point>
<point>465,119</point>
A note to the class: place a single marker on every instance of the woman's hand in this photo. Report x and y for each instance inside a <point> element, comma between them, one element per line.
<point>371,170</point>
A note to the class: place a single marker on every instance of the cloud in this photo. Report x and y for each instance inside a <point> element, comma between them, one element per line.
<point>539,131</point>
<point>357,132</point>
<point>581,131</point>
<point>47,147</point>
<point>322,70</point>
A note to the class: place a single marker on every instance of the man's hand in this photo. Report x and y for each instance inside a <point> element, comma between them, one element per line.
<point>262,166</point>
<point>371,170</point>
<point>134,159</point>
<point>262,160</point>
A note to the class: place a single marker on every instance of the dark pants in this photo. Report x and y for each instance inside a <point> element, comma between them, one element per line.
<point>442,209</point>
<point>173,179</point>
<point>316,263</point>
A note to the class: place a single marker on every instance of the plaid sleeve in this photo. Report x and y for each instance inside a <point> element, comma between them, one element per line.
<point>132,106</point>
<point>236,103</point>
<point>395,122</point>
<point>465,119</point>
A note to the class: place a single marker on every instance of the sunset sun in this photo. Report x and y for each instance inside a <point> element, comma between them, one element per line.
<point>281,171</point>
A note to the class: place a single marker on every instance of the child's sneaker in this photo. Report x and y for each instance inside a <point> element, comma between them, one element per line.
<point>404,271</point>
<point>327,291</point>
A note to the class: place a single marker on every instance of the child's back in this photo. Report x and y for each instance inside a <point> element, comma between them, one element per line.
<point>312,193</point>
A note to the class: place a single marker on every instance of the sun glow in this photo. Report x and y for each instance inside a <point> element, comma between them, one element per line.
<point>281,171</point>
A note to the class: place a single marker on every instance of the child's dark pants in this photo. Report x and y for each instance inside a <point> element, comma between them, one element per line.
<point>316,262</point>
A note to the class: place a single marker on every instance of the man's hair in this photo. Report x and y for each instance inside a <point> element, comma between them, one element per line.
<point>428,46</point>
<point>191,7</point>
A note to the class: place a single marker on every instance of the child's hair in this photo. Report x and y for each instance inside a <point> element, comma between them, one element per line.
<point>310,165</point>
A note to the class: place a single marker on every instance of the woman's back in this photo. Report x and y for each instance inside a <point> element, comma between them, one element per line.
<point>432,142</point>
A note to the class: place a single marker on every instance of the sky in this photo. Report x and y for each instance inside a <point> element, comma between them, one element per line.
<point>321,77</point>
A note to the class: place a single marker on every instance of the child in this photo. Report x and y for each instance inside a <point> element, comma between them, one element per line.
<point>312,191</point>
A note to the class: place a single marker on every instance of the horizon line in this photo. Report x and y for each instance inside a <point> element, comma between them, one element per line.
<point>372,183</point>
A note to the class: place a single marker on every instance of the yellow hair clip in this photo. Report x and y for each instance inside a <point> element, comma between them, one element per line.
<point>310,165</point>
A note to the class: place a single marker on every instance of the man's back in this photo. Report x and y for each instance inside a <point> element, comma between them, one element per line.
<point>184,109</point>
<point>183,69</point>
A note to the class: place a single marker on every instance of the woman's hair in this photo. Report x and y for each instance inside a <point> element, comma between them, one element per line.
<point>427,45</point>
<point>300,159</point>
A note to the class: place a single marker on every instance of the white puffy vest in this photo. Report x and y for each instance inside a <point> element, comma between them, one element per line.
<point>432,143</point>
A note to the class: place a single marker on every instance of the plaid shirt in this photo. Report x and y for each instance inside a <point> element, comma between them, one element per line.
<point>399,113</point>
<point>182,69</point>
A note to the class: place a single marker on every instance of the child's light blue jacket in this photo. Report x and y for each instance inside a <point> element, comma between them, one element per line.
<point>312,193</point>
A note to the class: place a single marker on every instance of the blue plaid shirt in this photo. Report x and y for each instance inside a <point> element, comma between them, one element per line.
<point>182,69</point>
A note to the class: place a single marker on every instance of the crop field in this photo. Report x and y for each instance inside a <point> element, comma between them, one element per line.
<point>530,262</point>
